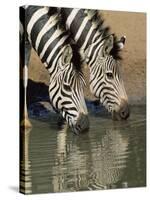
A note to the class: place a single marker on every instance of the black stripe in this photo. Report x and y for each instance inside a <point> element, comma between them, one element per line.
<point>111,101</point>
<point>54,67</point>
<point>22,15</point>
<point>108,88</point>
<point>30,11</point>
<point>107,93</point>
<point>66,12</point>
<point>45,38</point>
<point>92,53</point>
<point>77,22</point>
<point>73,79</point>
<point>98,79</point>
<point>64,94</point>
<point>76,95</point>
<point>66,103</point>
<point>90,38</point>
<point>72,109</point>
<point>70,114</point>
<point>55,94</point>
<point>84,34</point>
<point>59,98</point>
<point>50,89</point>
<point>37,28</point>
<point>98,86</point>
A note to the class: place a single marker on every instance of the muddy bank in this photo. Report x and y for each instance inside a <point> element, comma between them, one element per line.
<point>133,25</point>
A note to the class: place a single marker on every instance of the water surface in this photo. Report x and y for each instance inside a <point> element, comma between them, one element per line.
<point>111,155</point>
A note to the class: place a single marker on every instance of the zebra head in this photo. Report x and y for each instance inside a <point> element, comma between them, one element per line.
<point>66,92</point>
<point>106,81</point>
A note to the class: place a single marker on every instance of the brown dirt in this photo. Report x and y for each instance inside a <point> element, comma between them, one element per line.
<point>133,25</point>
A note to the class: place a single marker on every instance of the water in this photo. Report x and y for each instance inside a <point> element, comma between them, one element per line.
<point>111,155</point>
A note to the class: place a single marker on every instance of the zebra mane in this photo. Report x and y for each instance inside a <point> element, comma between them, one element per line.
<point>76,58</point>
<point>53,11</point>
<point>97,21</point>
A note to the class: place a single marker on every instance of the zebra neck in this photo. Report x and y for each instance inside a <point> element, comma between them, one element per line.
<point>45,34</point>
<point>55,68</point>
<point>84,30</point>
<point>93,50</point>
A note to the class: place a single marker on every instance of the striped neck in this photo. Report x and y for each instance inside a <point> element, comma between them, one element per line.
<point>94,50</point>
<point>45,33</point>
<point>55,66</point>
<point>84,28</point>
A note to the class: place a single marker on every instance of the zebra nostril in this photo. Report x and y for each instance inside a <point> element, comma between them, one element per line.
<point>83,122</point>
<point>124,113</point>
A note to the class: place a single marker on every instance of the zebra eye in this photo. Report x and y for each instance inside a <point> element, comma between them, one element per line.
<point>67,87</point>
<point>109,75</point>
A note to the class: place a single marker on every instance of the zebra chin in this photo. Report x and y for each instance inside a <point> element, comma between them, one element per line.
<point>123,112</point>
<point>81,125</point>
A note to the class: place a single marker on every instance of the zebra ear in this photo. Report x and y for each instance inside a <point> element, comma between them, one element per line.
<point>67,55</point>
<point>108,45</point>
<point>121,42</point>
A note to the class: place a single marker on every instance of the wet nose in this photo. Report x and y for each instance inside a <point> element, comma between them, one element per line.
<point>124,109</point>
<point>82,122</point>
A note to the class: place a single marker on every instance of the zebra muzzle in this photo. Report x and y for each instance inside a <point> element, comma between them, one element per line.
<point>123,113</point>
<point>82,124</point>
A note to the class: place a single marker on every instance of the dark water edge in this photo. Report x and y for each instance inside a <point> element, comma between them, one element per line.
<point>111,155</point>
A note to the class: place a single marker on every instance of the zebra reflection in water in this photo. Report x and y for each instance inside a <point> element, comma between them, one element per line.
<point>90,168</point>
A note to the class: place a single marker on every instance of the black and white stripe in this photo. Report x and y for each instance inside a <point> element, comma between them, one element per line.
<point>100,50</point>
<point>47,36</point>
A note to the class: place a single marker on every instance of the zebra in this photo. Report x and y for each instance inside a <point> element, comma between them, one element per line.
<point>100,51</point>
<point>45,33</point>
